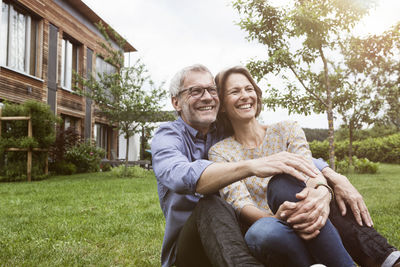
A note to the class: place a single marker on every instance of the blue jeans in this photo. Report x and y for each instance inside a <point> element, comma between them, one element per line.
<point>275,243</point>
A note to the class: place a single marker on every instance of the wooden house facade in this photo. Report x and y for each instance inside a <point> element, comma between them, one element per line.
<point>42,42</point>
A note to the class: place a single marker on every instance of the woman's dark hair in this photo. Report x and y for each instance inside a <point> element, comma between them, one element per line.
<point>223,123</point>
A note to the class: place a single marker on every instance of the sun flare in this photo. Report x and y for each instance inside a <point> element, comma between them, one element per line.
<point>385,15</point>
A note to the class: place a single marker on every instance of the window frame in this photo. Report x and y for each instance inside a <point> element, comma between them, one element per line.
<point>73,63</point>
<point>33,40</point>
<point>101,135</point>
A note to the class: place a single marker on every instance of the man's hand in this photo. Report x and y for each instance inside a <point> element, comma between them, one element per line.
<point>311,212</point>
<point>346,193</point>
<point>284,162</point>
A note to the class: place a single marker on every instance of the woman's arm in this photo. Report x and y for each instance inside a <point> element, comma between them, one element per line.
<point>313,207</point>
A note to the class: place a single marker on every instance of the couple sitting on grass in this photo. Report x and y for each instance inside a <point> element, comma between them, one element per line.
<point>238,193</point>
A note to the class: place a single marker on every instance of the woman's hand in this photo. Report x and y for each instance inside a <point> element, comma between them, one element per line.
<point>285,210</point>
<point>284,162</point>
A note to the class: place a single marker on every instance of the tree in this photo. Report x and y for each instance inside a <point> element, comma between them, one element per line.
<point>299,39</point>
<point>359,101</point>
<point>127,96</point>
<point>148,125</point>
<point>358,106</point>
<point>378,55</point>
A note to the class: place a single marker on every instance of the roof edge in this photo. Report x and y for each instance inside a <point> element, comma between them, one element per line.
<point>94,18</point>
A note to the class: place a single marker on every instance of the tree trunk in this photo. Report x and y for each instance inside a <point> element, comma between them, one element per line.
<point>351,143</point>
<point>142,144</point>
<point>329,111</point>
<point>331,138</point>
<point>126,152</point>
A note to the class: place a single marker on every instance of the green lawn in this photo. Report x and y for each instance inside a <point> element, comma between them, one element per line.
<point>98,220</point>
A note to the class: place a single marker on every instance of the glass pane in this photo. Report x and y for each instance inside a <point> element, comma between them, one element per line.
<point>33,47</point>
<point>67,122</point>
<point>105,138</point>
<point>17,40</point>
<point>4,33</point>
<point>62,78</point>
<point>97,134</point>
<point>98,67</point>
<point>75,57</point>
<point>68,65</point>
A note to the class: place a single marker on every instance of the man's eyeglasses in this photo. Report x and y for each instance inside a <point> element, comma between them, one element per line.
<point>198,92</point>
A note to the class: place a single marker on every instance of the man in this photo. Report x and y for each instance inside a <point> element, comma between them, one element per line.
<point>203,230</point>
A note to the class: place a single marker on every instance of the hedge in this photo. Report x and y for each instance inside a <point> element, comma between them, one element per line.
<point>14,134</point>
<point>382,149</point>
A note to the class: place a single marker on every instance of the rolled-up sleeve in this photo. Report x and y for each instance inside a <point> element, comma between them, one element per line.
<point>320,163</point>
<point>236,193</point>
<point>173,168</point>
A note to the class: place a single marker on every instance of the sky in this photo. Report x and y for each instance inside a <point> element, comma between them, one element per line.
<point>172,34</point>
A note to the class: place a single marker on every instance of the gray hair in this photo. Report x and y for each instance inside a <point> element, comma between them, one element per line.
<point>179,78</point>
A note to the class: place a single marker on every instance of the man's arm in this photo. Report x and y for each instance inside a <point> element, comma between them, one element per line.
<point>221,174</point>
<point>346,193</point>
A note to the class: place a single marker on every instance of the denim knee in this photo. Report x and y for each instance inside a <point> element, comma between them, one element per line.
<point>268,233</point>
<point>274,243</point>
<point>281,188</point>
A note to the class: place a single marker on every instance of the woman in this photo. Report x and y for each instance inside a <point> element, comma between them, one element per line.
<point>261,204</point>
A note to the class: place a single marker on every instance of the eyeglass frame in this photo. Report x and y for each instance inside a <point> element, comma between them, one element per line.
<point>208,88</point>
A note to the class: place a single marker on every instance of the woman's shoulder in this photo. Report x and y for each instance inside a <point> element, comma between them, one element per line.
<point>224,145</point>
<point>282,126</point>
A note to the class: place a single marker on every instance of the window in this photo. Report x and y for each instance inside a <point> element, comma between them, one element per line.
<point>19,35</point>
<point>101,135</point>
<point>71,122</point>
<point>69,63</point>
<point>103,67</point>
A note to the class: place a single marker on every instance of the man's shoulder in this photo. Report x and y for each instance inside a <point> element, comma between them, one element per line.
<point>168,134</point>
<point>170,127</point>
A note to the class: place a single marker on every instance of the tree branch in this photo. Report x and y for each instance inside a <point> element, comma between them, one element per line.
<point>306,88</point>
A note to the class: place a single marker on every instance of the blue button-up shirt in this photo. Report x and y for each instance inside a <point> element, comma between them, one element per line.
<point>180,155</point>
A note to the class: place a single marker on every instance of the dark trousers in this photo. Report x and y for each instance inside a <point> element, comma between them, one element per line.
<point>364,244</point>
<point>212,237</point>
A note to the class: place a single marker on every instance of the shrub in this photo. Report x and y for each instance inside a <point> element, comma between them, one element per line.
<point>14,166</point>
<point>65,139</point>
<point>63,167</point>
<point>43,122</point>
<point>105,167</point>
<point>129,172</point>
<point>85,156</point>
<point>382,149</point>
<point>362,165</point>
<point>320,149</point>
<point>365,166</point>
<point>342,166</point>
<point>14,135</point>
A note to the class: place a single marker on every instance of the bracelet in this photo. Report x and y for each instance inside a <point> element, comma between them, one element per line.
<point>332,195</point>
